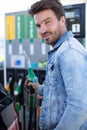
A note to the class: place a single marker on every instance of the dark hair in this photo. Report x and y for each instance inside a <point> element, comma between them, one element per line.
<point>54,5</point>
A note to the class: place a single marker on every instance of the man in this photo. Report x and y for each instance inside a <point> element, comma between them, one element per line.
<point>64,103</point>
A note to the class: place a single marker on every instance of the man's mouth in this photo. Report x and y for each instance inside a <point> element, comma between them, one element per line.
<point>46,36</point>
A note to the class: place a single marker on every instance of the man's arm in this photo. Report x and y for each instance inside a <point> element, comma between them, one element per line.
<point>74,72</point>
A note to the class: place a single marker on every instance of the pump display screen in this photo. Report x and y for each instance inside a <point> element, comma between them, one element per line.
<point>75,16</point>
<point>72,13</point>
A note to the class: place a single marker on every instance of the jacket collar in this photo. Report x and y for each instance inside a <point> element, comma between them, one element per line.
<point>60,41</point>
<point>63,38</point>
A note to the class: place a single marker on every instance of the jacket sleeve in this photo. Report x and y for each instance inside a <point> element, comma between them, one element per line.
<point>40,90</point>
<point>73,67</point>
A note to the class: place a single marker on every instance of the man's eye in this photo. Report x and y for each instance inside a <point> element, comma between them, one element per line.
<point>38,26</point>
<point>48,22</point>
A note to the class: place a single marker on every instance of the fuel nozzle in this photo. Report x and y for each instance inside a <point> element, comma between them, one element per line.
<point>31,75</point>
<point>17,95</point>
<point>32,78</point>
<point>18,89</point>
<point>8,86</point>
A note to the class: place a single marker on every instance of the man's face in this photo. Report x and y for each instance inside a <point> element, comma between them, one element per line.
<point>50,28</point>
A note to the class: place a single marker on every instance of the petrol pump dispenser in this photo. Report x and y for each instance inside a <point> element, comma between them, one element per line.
<point>75,17</point>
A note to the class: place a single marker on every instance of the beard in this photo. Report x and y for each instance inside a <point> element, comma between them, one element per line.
<point>52,38</point>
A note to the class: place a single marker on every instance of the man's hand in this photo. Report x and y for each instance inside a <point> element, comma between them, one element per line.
<point>34,85</point>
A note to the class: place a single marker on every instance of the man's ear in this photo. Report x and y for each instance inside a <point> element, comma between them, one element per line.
<point>63,19</point>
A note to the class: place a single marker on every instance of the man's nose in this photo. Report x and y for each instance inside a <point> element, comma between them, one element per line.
<point>43,29</point>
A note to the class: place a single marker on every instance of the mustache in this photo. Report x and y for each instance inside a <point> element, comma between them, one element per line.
<point>45,34</point>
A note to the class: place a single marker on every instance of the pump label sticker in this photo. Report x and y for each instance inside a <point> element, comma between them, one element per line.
<point>76,28</point>
<point>18,61</point>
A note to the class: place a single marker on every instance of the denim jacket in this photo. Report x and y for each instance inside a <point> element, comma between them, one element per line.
<point>64,105</point>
